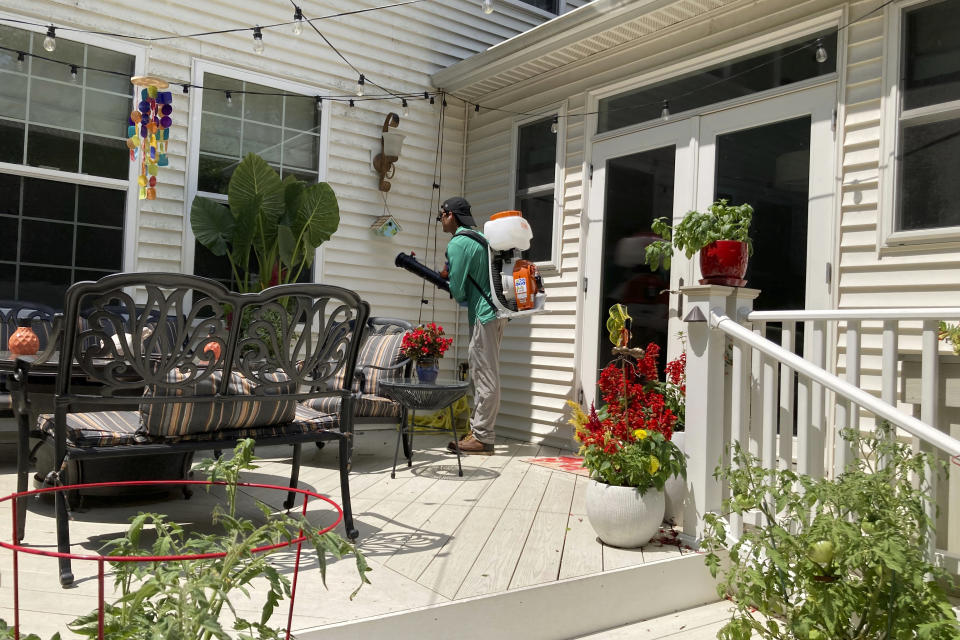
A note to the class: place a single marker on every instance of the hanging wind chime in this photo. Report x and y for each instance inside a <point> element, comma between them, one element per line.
<point>148,130</point>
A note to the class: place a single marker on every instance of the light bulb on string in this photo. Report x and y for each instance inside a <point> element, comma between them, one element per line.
<point>488,6</point>
<point>297,20</point>
<point>476,108</point>
<point>50,42</point>
<point>229,98</point>
<point>186,89</point>
<point>405,108</point>
<point>257,41</point>
<point>821,54</point>
<point>665,111</point>
<point>21,56</point>
<point>555,125</point>
<point>351,102</point>
<point>360,82</point>
<point>319,103</point>
<point>74,72</point>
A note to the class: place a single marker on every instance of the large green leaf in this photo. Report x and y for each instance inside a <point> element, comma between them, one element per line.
<point>287,245</point>
<point>256,197</point>
<point>212,224</point>
<point>292,190</point>
<point>318,216</point>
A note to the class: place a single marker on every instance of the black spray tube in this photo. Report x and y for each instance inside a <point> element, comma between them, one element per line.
<point>412,265</point>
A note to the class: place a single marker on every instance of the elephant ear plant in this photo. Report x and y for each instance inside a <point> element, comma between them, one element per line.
<point>278,223</point>
<point>833,559</point>
<point>721,221</point>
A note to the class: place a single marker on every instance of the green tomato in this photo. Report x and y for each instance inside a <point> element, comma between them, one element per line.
<point>868,526</point>
<point>821,552</point>
<point>742,502</point>
<point>814,635</point>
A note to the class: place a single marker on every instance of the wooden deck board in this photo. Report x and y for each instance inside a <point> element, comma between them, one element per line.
<point>430,535</point>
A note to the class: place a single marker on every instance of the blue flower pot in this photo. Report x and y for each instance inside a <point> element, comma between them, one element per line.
<point>427,371</point>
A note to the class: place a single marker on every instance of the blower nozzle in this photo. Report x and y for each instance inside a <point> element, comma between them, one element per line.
<point>414,266</point>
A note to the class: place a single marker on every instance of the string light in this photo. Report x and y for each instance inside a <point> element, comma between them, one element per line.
<point>257,41</point>
<point>50,42</point>
<point>20,58</point>
<point>665,111</point>
<point>360,82</point>
<point>488,6</point>
<point>73,72</point>
<point>444,103</point>
<point>319,103</point>
<point>555,125</point>
<point>186,89</point>
<point>351,102</point>
<point>297,20</point>
<point>229,97</point>
<point>821,54</point>
<point>431,100</point>
<point>406,109</point>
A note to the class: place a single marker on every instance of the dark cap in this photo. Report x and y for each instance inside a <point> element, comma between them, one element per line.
<point>460,208</point>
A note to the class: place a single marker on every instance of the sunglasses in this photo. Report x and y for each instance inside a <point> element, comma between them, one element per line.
<point>441,214</point>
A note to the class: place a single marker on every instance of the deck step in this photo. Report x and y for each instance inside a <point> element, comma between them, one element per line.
<point>564,609</point>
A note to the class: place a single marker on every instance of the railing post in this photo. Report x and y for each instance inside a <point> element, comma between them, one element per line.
<point>705,403</point>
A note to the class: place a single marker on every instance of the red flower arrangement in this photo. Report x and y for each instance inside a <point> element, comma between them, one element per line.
<point>627,442</point>
<point>426,342</point>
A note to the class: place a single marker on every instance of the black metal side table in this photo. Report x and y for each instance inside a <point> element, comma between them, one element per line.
<point>413,396</point>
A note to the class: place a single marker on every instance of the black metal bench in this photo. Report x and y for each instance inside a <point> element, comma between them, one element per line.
<point>226,366</point>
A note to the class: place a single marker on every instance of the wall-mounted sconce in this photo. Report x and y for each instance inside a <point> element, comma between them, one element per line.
<point>390,145</point>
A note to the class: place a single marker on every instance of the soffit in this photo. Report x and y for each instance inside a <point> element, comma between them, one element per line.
<point>539,51</point>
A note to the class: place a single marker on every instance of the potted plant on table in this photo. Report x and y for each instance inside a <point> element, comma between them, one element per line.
<point>626,446</point>
<point>425,345</point>
<point>721,235</point>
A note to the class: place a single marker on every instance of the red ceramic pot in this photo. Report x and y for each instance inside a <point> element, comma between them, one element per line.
<point>724,262</point>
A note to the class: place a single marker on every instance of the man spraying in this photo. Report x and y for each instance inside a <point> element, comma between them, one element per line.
<point>469,276</point>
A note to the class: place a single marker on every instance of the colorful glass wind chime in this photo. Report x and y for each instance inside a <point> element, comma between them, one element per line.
<point>148,130</point>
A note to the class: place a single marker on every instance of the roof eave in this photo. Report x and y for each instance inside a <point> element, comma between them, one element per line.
<point>583,22</point>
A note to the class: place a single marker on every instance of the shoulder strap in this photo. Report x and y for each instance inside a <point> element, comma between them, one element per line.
<point>470,233</point>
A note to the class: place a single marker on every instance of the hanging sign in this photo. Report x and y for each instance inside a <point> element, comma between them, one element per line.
<point>148,130</point>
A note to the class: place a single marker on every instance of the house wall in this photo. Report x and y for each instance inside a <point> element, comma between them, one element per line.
<point>866,274</point>
<point>398,47</point>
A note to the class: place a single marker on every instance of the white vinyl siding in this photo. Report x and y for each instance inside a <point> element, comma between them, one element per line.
<point>400,48</point>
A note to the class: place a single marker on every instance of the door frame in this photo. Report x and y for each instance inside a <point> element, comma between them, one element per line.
<point>680,134</point>
<point>694,180</point>
<point>818,103</point>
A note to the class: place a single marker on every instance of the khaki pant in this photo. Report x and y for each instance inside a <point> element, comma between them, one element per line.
<point>484,358</point>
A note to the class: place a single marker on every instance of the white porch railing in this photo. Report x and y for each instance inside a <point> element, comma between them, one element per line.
<point>758,392</point>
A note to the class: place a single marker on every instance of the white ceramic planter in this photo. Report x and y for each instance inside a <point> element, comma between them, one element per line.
<point>675,489</point>
<point>621,516</point>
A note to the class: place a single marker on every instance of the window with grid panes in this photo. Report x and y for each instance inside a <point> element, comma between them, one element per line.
<point>55,231</point>
<point>546,5</point>
<point>536,173</point>
<point>928,136</point>
<point>281,127</point>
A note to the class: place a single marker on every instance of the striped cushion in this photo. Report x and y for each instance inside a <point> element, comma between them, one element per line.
<point>305,420</point>
<point>364,406</point>
<point>111,428</point>
<point>380,351</point>
<point>98,428</point>
<point>179,419</point>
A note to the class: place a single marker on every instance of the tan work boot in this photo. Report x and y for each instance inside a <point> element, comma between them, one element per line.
<point>471,446</point>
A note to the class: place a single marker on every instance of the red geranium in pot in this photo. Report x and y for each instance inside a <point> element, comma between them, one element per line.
<point>721,235</point>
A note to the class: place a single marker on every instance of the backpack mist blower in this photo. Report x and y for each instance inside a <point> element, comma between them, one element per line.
<point>516,286</point>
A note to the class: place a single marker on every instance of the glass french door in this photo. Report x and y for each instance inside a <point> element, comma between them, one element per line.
<point>776,154</point>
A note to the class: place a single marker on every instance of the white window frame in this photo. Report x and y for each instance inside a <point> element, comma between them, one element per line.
<point>553,265</point>
<point>131,214</point>
<point>523,6</point>
<point>889,236</point>
<point>201,67</point>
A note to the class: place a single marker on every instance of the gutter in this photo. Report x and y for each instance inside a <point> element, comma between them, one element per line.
<point>581,23</point>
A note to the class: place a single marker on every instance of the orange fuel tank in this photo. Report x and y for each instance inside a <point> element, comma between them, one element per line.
<point>525,284</point>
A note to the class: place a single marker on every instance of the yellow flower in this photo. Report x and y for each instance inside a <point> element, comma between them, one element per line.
<point>654,464</point>
<point>640,434</point>
<point>577,416</point>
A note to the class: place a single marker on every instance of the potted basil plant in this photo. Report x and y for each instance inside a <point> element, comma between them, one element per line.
<point>721,234</point>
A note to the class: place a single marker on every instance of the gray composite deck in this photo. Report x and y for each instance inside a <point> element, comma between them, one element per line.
<point>431,537</point>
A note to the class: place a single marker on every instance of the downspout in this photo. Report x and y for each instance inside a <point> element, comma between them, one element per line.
<point>463,174</point>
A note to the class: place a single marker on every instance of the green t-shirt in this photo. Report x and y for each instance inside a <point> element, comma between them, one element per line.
<point>467,257</point>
